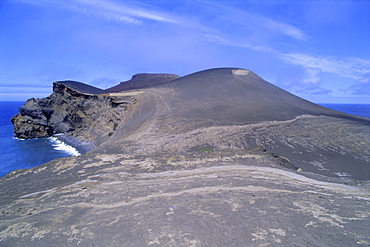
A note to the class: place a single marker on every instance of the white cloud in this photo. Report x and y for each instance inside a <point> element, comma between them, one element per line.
<point>216,39</point>
<point>302,81</point>
<point>125,10</point>
<point>107,15</point>
<point>280,27</point>
<point>223,41</point>
<point>312,77</point>
<point>250,21</point>
<point>361,86</point>
<point>219,23</point>
<point>309,81</point>
<point>364,80</point>
<point>352,68</point>
<point>108,10</point>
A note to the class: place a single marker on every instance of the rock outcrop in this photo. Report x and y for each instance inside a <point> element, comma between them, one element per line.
<point>78,109</point>
<point>67,109</point>
<point>216,158</point>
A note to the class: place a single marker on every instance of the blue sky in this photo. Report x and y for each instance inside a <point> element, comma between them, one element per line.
<point>318,50</point>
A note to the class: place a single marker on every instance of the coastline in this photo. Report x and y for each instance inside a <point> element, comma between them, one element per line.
<point>62,146</point>
<point>82,146</point>
<point>216,158</point>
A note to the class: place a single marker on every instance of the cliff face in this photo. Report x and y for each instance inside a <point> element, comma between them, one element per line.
<point>80,109</point>
<point>72,108</point>
<point>216,158</point>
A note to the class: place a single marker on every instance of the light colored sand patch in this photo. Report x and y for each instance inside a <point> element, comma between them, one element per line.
<point>240,72</point>
<point>318,165</point>
<point>85,182</point>
<point>75,234</point>
<point>129,93</point>
<point>200,211</point>
<point>194,191</point>
<point>63,165</point>
<point>155,241</point>
<point>311,223</point>
<point>267,173</point>
<point>40,234</point>
<point>320,213</point>
<point>342,174</point>
<point>261,172</point>
<point>36,193</point>
<point>365,242</point>
<point>234,205</point>
<point>22,229</point>
<point>279,232</point>
<point>260,235</point>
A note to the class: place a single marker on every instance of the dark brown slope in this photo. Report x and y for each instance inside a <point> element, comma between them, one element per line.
<point>184,168</point>
<point>235,96</point>
<point>81,87</point>
<point>142,81</point>
<point>234,109</point>
<point>215,97</point>
<point>217,109</point>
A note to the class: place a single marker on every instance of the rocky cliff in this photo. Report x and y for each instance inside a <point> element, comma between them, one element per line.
<point>67,109</point>
<point>80,110</point>
<point>216,158</point>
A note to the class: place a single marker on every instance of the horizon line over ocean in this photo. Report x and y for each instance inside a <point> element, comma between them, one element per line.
<point>362,110</point>
<point>22,154</point>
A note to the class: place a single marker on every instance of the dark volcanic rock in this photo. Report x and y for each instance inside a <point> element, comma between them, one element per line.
<point>229,96</point>
<point>75,107</point>
<point>232,108</point>
<point>32,121</point>
<point>143,81</point>
<point>216,158</point>
<point>77,88</point>
<point>71,108</point>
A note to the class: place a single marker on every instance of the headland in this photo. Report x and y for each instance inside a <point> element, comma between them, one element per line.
<point>216,158</point>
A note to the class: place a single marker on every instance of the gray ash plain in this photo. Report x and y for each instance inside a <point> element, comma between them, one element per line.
<point>216,158</point>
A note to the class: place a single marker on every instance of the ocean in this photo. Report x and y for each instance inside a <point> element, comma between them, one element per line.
<point>362,110</point>
<point>22,154</point>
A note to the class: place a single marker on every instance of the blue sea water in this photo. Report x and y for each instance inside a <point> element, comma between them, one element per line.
<point>22,154</point>
<point>362,110</point>
<point>16,154</point>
